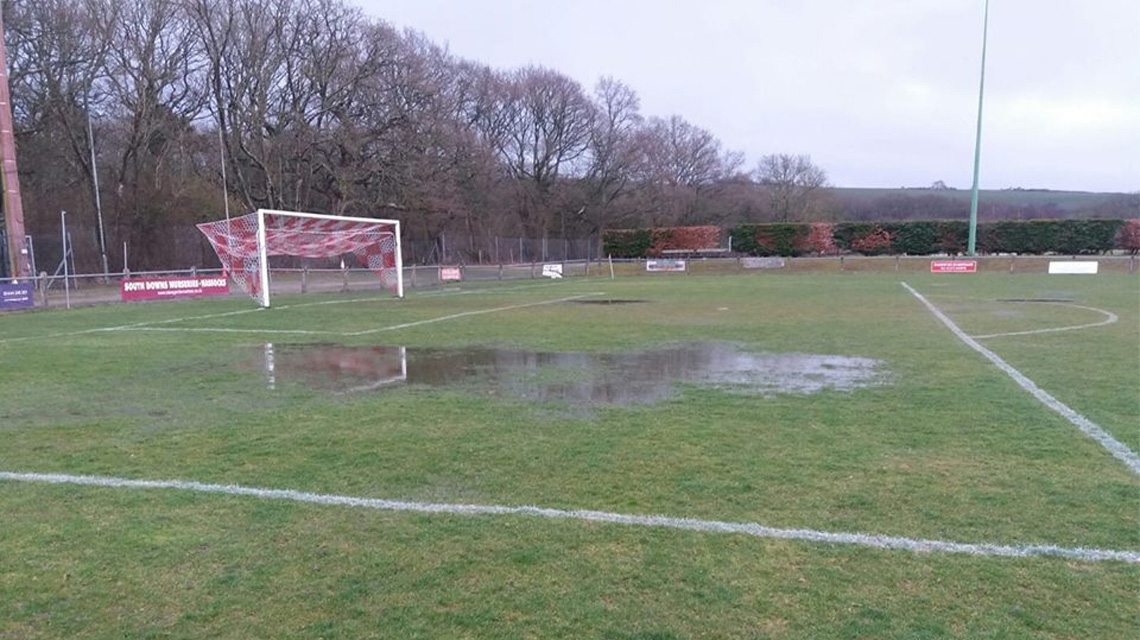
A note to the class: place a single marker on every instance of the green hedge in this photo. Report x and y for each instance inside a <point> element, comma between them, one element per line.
<point>1070,237</point>
<point>642,243</point>
<point>786,239</point>
<point>916,238</point>
<point>627,243</point>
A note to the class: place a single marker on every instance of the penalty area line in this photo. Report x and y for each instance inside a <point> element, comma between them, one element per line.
<point>914,545</point>
<point>149,326</point>
<point>1117,448</point>
<point>465,314</point>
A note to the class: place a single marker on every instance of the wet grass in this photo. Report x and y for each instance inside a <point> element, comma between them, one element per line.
<point>949,449</point>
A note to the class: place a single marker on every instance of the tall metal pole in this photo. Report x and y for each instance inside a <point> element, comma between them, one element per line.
<point>10,177</point>
<point>225,186</point>
<point>98,201</point>
<point>978,139</point>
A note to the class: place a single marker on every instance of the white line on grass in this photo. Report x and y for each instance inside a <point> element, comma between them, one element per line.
<point>149,325</point>
<point>1090,428</point>
<point>1110,318</point>
<point>51,336</point>
<point>227,330</point>
<point>130,327</point>
<point>365,332</point>
<point>669,522</point>
<point>468,313</point>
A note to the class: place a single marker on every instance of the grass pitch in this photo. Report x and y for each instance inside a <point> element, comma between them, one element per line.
<point>950,448</point>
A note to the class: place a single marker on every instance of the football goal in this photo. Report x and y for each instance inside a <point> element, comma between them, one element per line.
<point>245,244</point>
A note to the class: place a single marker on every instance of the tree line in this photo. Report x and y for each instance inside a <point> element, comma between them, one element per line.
<point>165,113</point>
<point>310,105</point>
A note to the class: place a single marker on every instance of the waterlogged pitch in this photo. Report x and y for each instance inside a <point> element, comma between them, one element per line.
<point>860,455</point>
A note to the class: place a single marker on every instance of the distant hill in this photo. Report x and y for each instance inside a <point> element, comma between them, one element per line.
<point>912,203</point>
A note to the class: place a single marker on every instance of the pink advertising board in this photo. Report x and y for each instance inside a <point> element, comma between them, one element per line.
<point>132,289</point>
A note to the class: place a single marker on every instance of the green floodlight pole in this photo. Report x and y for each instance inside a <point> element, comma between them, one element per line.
<point>978,140</point>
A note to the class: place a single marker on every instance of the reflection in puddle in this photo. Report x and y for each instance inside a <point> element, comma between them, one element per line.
<point>637,377</point>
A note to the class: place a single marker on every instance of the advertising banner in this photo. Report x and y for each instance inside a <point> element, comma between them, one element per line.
<point>133,289</point>
<point>447,274</point>
<point>552,271</point>
<point>17,296</point>
<point>762,263</point>
<point>664,265</point>
<point>953,266</point>
<point>1075,267</point>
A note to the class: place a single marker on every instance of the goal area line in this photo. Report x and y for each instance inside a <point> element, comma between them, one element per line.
<point>874,541</point>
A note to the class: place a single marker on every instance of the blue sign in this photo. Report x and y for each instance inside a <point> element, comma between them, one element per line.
<point>17,296</point>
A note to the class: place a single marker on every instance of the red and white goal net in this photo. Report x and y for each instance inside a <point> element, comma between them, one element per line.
<point>244,245</point>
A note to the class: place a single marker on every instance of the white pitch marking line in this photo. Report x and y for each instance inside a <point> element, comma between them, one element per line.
<point>148,326</point>
<point>465,314</point>
<point>56,335</point>
<point>1110,318</point>
<point>225,330</point>
<point>365,332</point>
<point>1090,428</point>
<point>130,327</point>
<point>690,524</point>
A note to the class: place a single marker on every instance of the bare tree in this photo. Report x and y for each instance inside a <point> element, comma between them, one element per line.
<point>548,120</point>
<point>615,158</point>
<point>60,52</point>
<point>155,90</point>
<point>793,185</point>
<point>685,168</point>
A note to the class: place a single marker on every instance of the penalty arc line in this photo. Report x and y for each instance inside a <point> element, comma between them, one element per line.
<point>669,522</point>
<point>1109,318</point>
<point>1118,449</point>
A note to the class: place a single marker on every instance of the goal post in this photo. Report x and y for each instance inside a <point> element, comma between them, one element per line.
<point>245,244</point>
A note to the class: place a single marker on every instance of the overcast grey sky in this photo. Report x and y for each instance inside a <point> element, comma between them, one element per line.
<point>878,92</point>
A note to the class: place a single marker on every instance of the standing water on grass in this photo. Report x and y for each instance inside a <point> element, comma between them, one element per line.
<point>577,378</point>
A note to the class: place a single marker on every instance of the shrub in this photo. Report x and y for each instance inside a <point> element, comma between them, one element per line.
<point>639,243</point>
<point>626,243</point>
<point>781,239</point>
<point>1048,236</point>
<point>1128,237</point>
<point>685,238</point>
<point>845,232</point>
<point>873,243</point>
<point>821,238</point>
<point>915,238</point>
<point>1085,236</point>
<point>953,236</point>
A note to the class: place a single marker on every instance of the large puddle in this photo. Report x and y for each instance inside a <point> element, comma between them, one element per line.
<point>582,379</point>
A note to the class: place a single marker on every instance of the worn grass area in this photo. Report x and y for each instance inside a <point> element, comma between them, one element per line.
<point>950,448</point>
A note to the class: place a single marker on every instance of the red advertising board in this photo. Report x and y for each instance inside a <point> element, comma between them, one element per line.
<point>953,266</point>
<point>131,289</point>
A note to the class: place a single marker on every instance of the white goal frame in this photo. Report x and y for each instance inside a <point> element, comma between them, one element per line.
<point>243,245</point>
<point>263,248</point>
